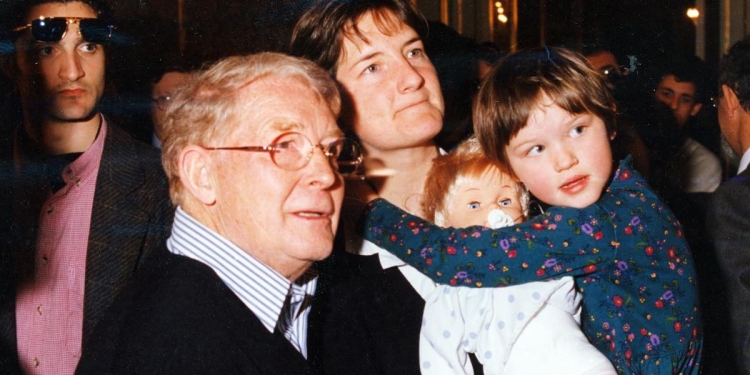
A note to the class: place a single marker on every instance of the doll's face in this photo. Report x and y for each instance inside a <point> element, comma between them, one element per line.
<point>475,198</point>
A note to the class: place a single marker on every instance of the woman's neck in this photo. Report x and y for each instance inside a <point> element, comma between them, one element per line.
<point>398,176</point>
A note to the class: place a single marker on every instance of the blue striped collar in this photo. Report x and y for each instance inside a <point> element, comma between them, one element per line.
<point>262,289</point>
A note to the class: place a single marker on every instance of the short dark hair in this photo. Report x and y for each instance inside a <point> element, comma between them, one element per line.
<point>15,13</point>
<point>174,63</point>
<point>687,69</point>
<point>320,32</point>
<point>734,71</point>
<point>515,86</point>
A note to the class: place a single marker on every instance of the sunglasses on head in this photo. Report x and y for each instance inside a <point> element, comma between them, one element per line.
<point>53,29</point>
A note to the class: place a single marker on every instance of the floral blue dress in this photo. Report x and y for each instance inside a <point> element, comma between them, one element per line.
<point>626,252</point>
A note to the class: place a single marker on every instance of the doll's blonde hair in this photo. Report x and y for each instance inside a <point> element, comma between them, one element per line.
<point>466,163</point>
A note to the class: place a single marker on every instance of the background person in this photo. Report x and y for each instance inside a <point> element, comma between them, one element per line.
<point>728,216</point>
<point>393,104</point>
<point>85,203</point>
<point>690,167</point>
<point>163,88</point>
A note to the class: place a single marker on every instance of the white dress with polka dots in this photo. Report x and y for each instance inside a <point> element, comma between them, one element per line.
<point>526,329</point>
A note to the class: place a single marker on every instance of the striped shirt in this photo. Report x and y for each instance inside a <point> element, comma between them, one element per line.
<point>277,302</point>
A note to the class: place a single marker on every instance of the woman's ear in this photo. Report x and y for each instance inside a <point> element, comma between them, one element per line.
<point>196,173</point>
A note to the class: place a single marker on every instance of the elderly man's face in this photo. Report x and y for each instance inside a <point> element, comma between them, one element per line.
<point>286,219</point>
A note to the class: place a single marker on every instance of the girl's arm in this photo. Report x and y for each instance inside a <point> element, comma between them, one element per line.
<point>562,241</point>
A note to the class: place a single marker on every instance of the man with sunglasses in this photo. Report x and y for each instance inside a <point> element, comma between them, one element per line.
<point>253,155</point>
<point>83,203</point>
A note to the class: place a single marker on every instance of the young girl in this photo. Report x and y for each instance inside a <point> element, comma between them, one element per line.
<point>465,188</point>
<point>549,117</point>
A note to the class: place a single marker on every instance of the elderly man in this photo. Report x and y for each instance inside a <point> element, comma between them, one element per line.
<point>691,168</point>
<point>251,149</point>
<point>728,217</point>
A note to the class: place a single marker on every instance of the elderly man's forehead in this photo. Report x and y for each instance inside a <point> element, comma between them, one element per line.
<point>262,89</point>
<point>272,91</point>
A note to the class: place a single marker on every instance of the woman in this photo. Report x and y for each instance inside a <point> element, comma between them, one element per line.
<point>393,104</point>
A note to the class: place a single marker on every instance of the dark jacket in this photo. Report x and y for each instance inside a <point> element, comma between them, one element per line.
<point>131,217</point>
<point>180,318</point>
<point>370,318</point>
<point>372,321</point>
<point>728,226</point>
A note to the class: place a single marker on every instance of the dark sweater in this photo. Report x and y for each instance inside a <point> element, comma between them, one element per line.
<point>180,318</point>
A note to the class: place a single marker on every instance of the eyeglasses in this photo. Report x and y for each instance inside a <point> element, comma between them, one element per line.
<point>161,101</point>
<point>292,151</point>
<point>53,29</point>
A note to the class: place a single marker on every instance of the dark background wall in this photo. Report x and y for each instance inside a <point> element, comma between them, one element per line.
<point>152,34</point>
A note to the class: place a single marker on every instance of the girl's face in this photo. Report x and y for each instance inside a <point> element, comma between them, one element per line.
<point>475,198</point>
<point>563,159</point>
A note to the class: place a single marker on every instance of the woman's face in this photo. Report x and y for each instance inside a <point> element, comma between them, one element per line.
<point>391,84</point>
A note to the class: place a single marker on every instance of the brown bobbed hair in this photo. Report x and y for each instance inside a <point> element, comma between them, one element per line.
<point>319,34</point>
<point>515,86</point>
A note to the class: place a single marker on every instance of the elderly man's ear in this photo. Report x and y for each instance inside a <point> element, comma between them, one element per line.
<point>196,169</point>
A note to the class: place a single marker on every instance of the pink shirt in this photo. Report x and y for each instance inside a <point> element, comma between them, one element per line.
<point>49,309</point>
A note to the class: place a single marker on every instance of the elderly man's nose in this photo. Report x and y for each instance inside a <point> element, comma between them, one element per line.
<point>321,169</point>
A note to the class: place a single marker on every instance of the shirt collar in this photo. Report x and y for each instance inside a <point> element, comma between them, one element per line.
<point>88,163</point>
<point>744,161</point>
<point>258,286</point>
<point>27,158</point>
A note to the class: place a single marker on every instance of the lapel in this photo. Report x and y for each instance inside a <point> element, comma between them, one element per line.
<point>131,215</point>
<point>742,178</point>
<point>8,348</point>
<point>129,187</point>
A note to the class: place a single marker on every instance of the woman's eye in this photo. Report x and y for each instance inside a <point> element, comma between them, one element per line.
<point>417,52</point>
<point>371,69</point>
<point>474,205</point>
<point>505,202</point>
